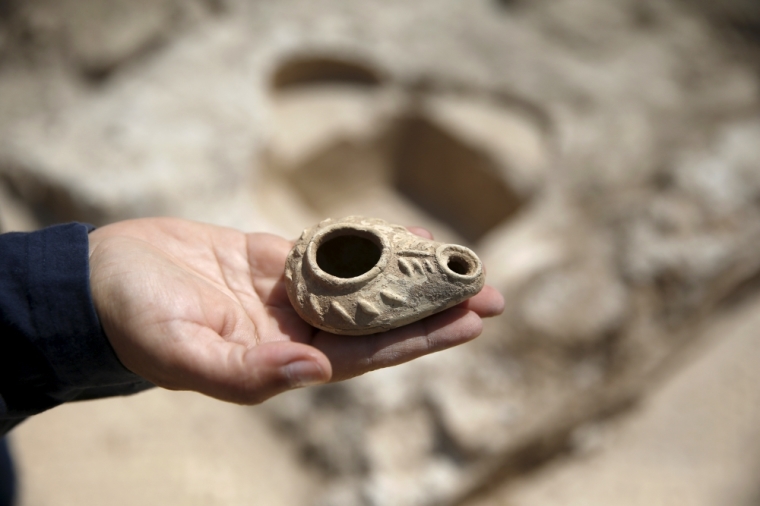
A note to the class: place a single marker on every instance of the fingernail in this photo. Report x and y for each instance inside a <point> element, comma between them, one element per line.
<point>304,373</point>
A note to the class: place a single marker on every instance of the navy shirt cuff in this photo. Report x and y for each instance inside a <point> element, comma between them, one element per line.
<point>68,330</point>
<point>54,346</point>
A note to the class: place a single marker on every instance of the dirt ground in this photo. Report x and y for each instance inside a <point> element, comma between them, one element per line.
<point>157,447</point>
<point>693,442</point>
<point>600,156</point>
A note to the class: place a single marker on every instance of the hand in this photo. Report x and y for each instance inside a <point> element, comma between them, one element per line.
<point>190,306</point>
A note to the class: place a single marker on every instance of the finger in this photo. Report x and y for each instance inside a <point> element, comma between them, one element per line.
<point>246,375</point>
<point>355,355</point>
<point>273,368</point>
<point>267,253</point>
<point>266,258</point>
<point>420,231</point>
<point>486,303</point>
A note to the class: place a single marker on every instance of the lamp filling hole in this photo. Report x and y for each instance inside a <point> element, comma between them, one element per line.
<point>348,256</point>
<point>458,265</point>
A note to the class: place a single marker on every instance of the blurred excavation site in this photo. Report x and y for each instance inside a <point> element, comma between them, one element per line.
<point>601,156</point>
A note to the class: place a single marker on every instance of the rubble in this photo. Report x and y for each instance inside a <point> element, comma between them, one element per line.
<point>616,207</point>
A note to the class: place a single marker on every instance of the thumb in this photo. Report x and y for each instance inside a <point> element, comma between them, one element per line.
<point>253,375</point>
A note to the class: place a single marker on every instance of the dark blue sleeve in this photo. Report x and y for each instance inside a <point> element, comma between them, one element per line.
<point>52,347</point>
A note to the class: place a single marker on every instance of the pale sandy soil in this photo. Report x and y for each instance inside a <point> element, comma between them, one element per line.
<point>694,442</point>
<point>158,447</point>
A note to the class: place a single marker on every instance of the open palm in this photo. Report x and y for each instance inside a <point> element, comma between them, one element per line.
<point>191,306</point>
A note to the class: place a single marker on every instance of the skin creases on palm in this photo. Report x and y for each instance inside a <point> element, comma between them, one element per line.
<point>191,306</point>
